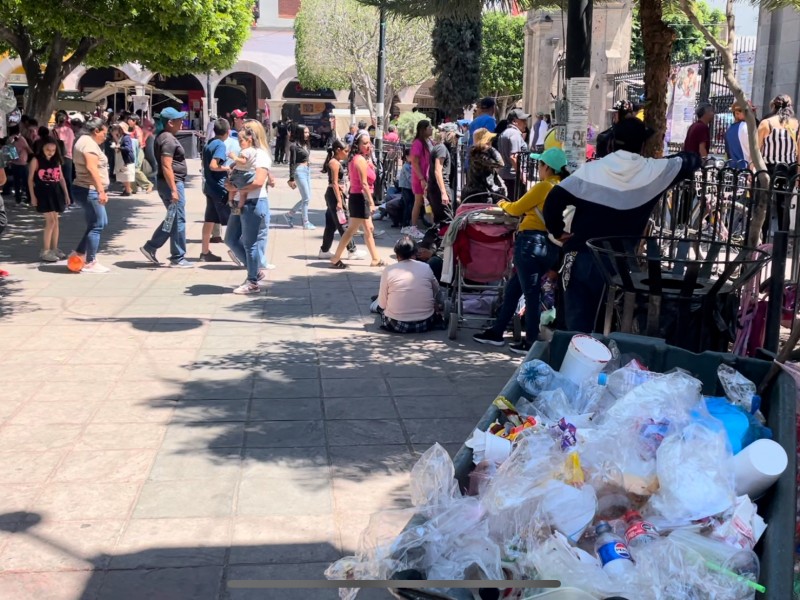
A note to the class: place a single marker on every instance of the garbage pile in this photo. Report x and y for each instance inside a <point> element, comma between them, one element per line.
<point>614,480</point>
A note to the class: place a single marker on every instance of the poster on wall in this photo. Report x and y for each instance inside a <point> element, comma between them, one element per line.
<point>745,61</point>
<point>682,90</point>
<point>577,121</point>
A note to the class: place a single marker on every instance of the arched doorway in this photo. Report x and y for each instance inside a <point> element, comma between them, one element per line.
<point>187,88</point>
<point>97,78</point>
<point>243,91</point>
<point>312,108</point>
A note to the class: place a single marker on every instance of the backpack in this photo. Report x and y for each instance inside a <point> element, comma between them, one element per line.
<point>605,142</point>
<point>8,153</point>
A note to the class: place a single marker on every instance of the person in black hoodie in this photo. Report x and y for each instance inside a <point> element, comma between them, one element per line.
<point>613,196</point>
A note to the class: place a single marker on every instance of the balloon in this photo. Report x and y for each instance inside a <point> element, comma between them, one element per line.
<point>8,101</point>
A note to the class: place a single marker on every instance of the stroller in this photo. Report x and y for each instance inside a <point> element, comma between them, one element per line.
<point>478,248</point>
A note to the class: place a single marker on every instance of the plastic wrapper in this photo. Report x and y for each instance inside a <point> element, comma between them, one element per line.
<point>741,527</point>
<point>694,473</point>
<point>536,377</point>
<point>433,479</point>
<point>738,388</point>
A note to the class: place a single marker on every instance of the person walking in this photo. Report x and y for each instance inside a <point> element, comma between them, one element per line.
<point>248,226</point>
<point>362,184</point>
<point>89,187</point>
<point>215,175</point>
<point>334,200</point>
<point>612,197</point>
<point>281,133</point>
<point>124,157</point>
<point>300,175</point>
<point>484,183</point>
<point>777,138</point>
<point>511,144</point>
<point>698,136</point>
<point>420,157</point>
<point>64,132</point>
<point>737,146</point>
<point>49,195</point>
<point>170,184</point>
<point>534,254</point>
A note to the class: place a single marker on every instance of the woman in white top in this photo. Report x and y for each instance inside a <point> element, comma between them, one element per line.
<point>246,233</point>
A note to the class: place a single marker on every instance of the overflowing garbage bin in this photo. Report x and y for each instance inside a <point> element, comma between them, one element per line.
<point>614,474</point>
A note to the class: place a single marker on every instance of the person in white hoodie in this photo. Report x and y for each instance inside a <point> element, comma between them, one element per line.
<point>613,196</point>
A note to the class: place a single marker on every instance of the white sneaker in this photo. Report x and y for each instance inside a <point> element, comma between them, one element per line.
<point>60,254</point>
<point>247,289</point>
<point>324,255</point>
<point>48,256</point>
<point>95,268</point>
<point>415,233</point>
<point>406,230</point>
<point>355,255</point>
<point>309,226</point>
<point>378,233</point>
<point>235,259</point>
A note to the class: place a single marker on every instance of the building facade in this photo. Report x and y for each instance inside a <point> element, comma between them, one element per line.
<point>777,65</point>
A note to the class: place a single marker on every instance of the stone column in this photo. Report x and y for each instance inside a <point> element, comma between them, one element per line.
<point>611,51</point>
<point>275,108</point>
<point>543,45</point>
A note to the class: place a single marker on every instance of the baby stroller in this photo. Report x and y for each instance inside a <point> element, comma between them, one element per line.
<point>478,248</point>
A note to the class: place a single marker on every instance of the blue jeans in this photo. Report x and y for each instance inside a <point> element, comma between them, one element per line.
<point>583,293</point>
<point>20,175</point>
<point>534,255</point>
<point>246,235</point>
<point>302,177</point>
<point>177,235</point>
<point>96,221</point>
<point>67,170</point>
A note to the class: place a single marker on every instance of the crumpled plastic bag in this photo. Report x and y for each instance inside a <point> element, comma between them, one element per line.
<point>569,510</point>
<point>433,480</point>
<point>694,472</point>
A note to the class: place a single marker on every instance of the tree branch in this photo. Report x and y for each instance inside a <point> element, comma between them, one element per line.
<point>13,39</point>
<point>85,46</point>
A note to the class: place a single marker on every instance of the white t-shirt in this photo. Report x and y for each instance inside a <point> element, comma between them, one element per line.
<point>262,161</point>
<point>408,291</point>
<point>250,155</point>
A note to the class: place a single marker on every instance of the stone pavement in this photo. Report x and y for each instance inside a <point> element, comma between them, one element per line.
<point>160,436</point>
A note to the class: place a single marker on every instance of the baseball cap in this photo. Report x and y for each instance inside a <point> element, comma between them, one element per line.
<point>518,113</point>
<point>452,128</point>
<point>239,114</point>
<point>630,134</point>
<point>170,114</point>
<point>553,158</point>
<point>486,103</point>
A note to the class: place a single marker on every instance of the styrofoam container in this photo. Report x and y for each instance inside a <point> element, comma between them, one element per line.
<point>585,358</point>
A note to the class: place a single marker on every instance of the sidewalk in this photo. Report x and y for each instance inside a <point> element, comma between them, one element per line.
<point>160,436</point>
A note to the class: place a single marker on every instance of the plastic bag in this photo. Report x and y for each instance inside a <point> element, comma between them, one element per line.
<point>694,473</point>
<point>433,480</point>
<point>569,510</point>
<point>738,388</point>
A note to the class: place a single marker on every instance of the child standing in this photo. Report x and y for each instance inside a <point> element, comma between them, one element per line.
<point>404,183</point>
<point>49,195</point>
<point>244,168</point>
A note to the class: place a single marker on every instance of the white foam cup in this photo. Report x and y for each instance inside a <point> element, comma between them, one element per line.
<point>758,466</point>
<point>585,358</point>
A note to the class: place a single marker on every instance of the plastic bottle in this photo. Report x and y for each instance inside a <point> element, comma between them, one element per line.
<point>613,552</point>
<point>172,212</point>
<point>623,380</point>
<point>341,216</point>
<point>638,532</point>
<point>536,377</point>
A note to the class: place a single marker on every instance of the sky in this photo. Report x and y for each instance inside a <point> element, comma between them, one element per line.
<point>746,16</point>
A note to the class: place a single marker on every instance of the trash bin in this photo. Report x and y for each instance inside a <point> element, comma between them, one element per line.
<point>777,506</point>
<point>189,141</point>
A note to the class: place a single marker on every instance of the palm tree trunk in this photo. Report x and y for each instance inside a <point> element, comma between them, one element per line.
<point>657,40</point>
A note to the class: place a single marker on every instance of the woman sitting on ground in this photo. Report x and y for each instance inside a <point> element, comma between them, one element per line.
<point>483,181</point>
<point>407,296</point>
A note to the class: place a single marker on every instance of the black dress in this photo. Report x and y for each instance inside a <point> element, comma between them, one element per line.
<point>47,186</point>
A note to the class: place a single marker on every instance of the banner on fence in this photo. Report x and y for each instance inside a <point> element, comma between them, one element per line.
<point>682,90</point>
<point>577,122</point>
<point>745,61</point>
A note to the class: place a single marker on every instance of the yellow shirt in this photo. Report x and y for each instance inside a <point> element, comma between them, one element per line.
<point>526,206</point>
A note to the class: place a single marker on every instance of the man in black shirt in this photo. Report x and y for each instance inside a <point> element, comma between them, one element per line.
<point>281,133</point>
<point>170,184</point>
<point>613,196</point>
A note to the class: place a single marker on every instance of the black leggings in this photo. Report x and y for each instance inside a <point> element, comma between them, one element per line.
<point>332,224</point>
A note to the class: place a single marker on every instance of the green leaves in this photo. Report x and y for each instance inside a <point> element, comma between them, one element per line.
<point>457,54</point>
<point>503,55</point>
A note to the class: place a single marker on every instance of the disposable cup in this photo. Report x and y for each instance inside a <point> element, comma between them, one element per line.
<point>585,358</point>
<point>758,466</point>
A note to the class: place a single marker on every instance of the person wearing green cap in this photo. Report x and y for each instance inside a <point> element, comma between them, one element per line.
<point>534,254</point>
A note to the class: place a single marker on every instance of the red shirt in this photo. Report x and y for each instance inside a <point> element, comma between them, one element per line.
<point>699,133</point>
<point>391,137</point>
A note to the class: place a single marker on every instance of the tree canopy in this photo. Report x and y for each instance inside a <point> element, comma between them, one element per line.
<point>689,42</point>
<point>337,47</point>
<point>52,38</point>
<point>457,57</point>
<point>502,57</point>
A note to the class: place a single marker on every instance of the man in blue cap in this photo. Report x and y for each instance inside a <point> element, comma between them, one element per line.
<point>170,184</point>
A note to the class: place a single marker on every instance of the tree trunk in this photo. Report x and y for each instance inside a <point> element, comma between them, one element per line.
<point>42,93</point>
<point>657,40</point>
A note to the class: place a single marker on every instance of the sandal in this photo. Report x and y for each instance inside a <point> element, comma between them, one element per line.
<point>338,265</point>
<point>380,263</point>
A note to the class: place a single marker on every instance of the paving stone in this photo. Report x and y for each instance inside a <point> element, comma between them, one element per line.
<point>342,388</point>
<point>364,432</point>
<point>278,434</point>
<point>192,583</point>
<point>105,466</point>
<point>285,409</point>
<point>200,436</point>
<point>371,407</point>
<point>49,585</point>
<point>39,437</point>
<point>120,436</point>
<point>84,500</point>
<point>181,465</point>
<point>285,496</point>
<point>305,572</point>
<point>28,467</point>
<point>186,498</point>
<point>278,539</point>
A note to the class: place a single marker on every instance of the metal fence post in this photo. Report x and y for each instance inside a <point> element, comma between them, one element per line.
<point>705,80</point>
<point>780,245</point>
